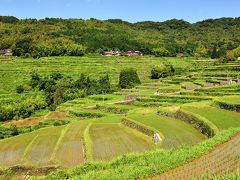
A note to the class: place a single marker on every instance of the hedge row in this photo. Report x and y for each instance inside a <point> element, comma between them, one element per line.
<point>228,106</point>
<point>153,104</point>
<point>86,114</point>
<point>113,110</point>
<point>202,124</point>
<point>164,100</point>
<point>194,98</point>
<point>137,126</point>
<point>209,93</point>
<point>218,90</point>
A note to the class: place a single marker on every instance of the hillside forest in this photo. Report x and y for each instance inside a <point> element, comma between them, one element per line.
<point>76,37</point>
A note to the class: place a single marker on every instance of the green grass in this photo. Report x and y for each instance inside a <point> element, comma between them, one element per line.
<point>223,119</point>
<point>235,100</point>
<point>176,132</point>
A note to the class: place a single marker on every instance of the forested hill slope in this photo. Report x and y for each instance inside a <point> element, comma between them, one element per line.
<point>51,36</point>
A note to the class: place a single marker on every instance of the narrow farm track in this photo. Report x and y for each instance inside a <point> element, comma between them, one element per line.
<point>223,159</point>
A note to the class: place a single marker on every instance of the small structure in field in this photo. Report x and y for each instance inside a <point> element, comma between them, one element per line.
<point>130,98</point>
<point>208,85</point>
<point>134,53</point>
<point>6,52</point>
<point>112,53</point>
<point>2,52</point>
<point>226,83</point>
<point>191,87</point>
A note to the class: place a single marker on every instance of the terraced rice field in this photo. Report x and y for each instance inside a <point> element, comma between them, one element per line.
<point>223,119</point>
<point>71,149</point>
<point>175,131</point>
<point>68,146</point>
<point>39,152</point>
<point>12,150</point>
<point>225,159</point>
<point>112,140</point>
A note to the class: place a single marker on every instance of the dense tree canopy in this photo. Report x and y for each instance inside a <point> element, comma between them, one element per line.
<point>55,37</point>
<point>128,78</point>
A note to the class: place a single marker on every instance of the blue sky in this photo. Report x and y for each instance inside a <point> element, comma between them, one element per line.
<point>129,10</point>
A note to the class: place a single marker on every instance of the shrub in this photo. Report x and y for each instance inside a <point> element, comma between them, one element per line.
<point>128,78</point>
<point>19,89</point>
<point>35,80</point>
<point>14,130</point>
<point>162,71</point>
<point>233,54</point>
<point>228,106</point>
<point>104,85</point>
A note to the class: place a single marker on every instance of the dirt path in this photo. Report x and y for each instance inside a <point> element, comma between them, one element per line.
<point>223,159</point>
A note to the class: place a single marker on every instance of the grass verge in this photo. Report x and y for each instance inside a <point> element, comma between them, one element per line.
<point>88,145</point>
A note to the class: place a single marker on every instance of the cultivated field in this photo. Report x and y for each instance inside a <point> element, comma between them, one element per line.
<point>70,151</point>
<point>186,109</point>
<point>112,140</point>
<point>224,159</point>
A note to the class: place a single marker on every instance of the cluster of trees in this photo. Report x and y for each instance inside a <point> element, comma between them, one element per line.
<point>58,88</point>
<point>22,108</point>
<point>54,37</point>
<point>53,90</point>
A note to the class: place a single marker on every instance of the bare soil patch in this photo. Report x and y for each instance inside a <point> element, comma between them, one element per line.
<point>25,122</point>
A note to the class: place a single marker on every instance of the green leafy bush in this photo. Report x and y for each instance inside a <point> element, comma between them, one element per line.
<point>20,89</point>
<point>128,78</point>
<point>162,71</point>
